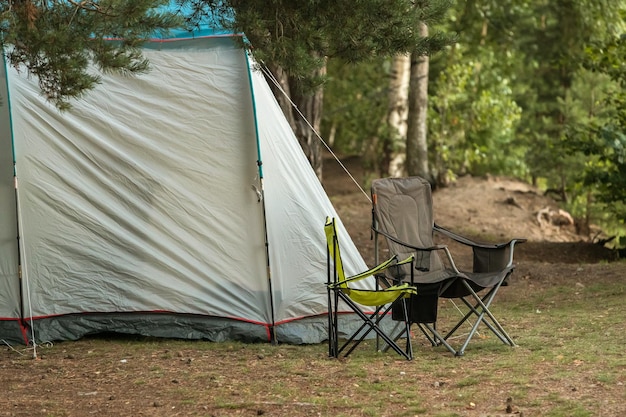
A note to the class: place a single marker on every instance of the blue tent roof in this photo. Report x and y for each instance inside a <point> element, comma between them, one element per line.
<point>209,26</point>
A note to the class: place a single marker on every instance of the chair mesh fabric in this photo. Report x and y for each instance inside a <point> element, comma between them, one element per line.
<point>404,210</point>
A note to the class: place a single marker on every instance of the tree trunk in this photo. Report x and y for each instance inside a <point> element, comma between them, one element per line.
<point>394,148</point>
<point>416,145</point>
<point>310,105</point>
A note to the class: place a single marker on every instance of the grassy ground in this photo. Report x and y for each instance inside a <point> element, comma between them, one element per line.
<point>570,362</point>
<point>565,308</point>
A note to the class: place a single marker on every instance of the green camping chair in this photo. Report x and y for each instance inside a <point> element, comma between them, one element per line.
<point>403,215</point>
<point>383,298</point>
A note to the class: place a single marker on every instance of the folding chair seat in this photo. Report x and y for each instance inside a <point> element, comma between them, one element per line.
<point>403,215</point>
<point>382,298</point>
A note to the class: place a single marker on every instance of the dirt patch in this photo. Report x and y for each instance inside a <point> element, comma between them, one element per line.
<point>489,209</point>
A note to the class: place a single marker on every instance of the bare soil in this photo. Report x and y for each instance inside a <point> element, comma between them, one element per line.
<point>489,209</point>
<point>162,379</point>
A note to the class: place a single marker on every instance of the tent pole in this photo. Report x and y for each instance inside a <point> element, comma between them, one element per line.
<point>19,246</point>
<point>22,270</point>
<point>18,236</point>
<point>272,328</point>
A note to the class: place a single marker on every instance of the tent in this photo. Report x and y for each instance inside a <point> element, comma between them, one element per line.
<point>172,204</point>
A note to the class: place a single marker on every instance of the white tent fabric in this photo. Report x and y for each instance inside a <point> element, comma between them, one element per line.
<point>142,209</point>
<point>9,279</point>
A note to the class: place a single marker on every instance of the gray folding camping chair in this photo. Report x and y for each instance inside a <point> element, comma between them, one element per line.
<point>403,215</point>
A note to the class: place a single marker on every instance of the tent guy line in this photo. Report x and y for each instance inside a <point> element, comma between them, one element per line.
<point>271,77</point>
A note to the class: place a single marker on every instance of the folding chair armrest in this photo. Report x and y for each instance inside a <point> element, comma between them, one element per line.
<point>501,249</point>
<point>512,244</point>
<point>467,241</point>
<point>373,271</point>
<point>406,261</point>
<point>421,249</point>
<point>485,248</point>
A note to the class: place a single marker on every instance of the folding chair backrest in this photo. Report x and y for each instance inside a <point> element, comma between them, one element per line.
<point>403,208</point>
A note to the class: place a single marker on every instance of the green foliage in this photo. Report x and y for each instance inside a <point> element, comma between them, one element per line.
<point>355,103</point>
<point>473,116</point>
<point>596,136</point>
<point>535,90</point>
<point>553,122</point>
<point>300,35</point>
<point>56,41</point>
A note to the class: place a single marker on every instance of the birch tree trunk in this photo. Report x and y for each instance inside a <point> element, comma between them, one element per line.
<point>416,142</point>
<point>395,147</point>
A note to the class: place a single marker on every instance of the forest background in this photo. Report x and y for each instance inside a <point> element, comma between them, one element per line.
<point>532,90</point>
<point>442,88</point>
